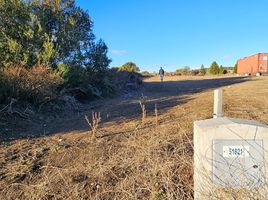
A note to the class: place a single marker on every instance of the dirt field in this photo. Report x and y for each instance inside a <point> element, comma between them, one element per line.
<point>129,158</point>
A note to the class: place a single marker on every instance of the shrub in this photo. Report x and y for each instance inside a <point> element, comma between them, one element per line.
<point>62,70</point>
<point>145,73</point>
<point>85,83</point>
<point>74,76</point>
<point>195,72</point>
<point>183,71</point>
<point>35,85</point>
<point>124,80</point>
<point>130,67</point>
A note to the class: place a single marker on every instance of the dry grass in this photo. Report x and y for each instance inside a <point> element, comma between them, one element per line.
<point>143,109</point>
<point>185,77</point>
<point>156,116</point>
<point>129,161</point>
<point>36,85</point>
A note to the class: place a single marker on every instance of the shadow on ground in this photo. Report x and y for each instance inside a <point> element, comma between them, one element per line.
<point>126,107</point>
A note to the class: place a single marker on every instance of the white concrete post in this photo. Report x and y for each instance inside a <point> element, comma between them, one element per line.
<point>218,103</point>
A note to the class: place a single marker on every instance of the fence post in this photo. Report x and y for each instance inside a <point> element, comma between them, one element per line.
<point>218,103</point>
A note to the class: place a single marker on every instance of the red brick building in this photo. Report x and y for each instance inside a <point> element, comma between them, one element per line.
<point>257,63</point>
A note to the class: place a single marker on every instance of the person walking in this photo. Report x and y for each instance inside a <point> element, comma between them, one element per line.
<point>161,74</point>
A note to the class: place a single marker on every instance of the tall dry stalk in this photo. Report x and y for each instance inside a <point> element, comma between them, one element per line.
<point>156,116</point>
<point>143,109</point>
<point>94,124</point>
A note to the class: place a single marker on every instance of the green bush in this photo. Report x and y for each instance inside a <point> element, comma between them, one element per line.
<point>130,67</point>
<point>75,76</point>
<point>91,83</point>
<point>62,70</point>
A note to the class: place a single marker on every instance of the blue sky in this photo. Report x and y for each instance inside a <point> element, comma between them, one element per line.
<point>177,33</point>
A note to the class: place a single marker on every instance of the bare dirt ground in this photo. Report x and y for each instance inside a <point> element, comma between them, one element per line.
<point>128,158</point>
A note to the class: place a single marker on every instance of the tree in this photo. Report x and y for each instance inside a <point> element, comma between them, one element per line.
<point>202,70</point>
<point>221,70</point>
<point>14,32</point>
<point>235,68</point>
<point>45,32</point>
<point>97,61</point>
<point>56,34</point>
<point>68,25</point>
<point>214,68</point>
<point>130,67</point>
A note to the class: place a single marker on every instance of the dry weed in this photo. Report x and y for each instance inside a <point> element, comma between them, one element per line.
<point>37,84</point>
<point>143,109</point>
<point>156,116</point>
<point>94,124</point>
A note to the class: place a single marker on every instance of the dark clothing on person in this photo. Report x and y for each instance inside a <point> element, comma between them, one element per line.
<point>161,72</point>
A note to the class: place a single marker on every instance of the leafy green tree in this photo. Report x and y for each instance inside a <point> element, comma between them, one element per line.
<point>69,26</point>
<point>45,32</point>
<point>48,53</point>
<point>214,68</point>
<point>54,33</point>
<point>14,32</point>
<point>202,70</point>
<point>97,61</point>
<point>130,67</point>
